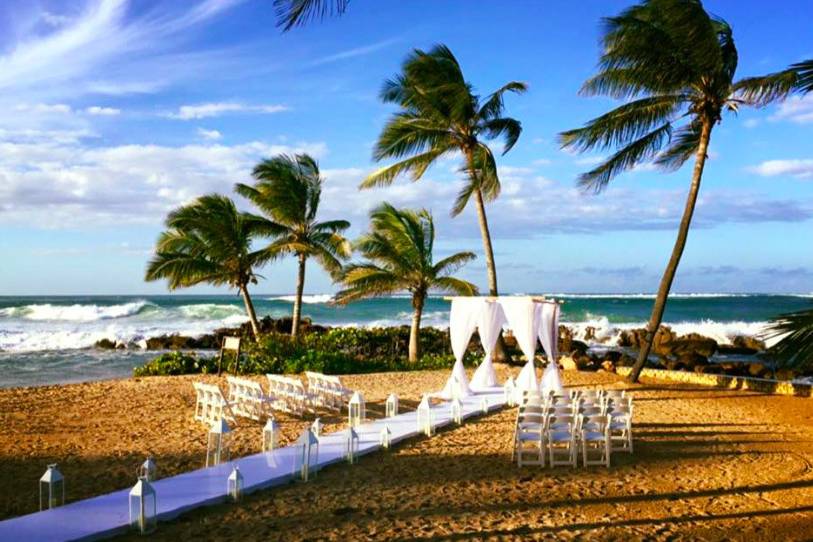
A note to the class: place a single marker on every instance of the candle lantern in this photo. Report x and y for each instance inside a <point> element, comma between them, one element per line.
<point>392,405</point>
<point>351,445</point>
<point>234,485</point>
<point>355,410</point>
<point>316,427</point>
<point>143,507</point>
<point>307,457</point>
<point>385,438</point>
<point>484,405</point>
<point>52,488</point>
<point>148,470</point>
<point>457,411</point>
<point>270,435</point>
<point>509,391</point>
<point>218,447</point>
<point>425,424</point>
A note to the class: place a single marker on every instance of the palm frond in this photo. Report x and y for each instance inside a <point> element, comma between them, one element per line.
<point>291,13</point>
<point>639,150</point>
<point>452,263</point>
<point>683,145</point>
<point>415,166</point>
<point>804,71</point>
<point>493,107</point>
<point>454,286</point>
<point>795,347</point>
<point>763,90</point>
<point>507,128</point>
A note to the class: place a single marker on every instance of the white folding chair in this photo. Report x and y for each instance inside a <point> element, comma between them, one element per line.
<point>594,436</point>
<point>621,427</point>
<point>529,438</point>
<point>561,437</point>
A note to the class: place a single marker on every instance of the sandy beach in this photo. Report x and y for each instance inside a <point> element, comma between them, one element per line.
<point>709,464</point>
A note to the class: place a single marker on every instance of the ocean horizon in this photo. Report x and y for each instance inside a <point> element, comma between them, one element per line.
<point>50,339</point>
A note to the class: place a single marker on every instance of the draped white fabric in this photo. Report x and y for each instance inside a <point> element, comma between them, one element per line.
<point>523,319</point>
<point>549,337</point>
<point>489,323</point>
<point>462,323</point>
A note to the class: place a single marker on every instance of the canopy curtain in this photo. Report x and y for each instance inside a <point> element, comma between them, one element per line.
<point>462,323</point>
<point>523,319</point>
<point>549,337</point>
<point>490,320</point>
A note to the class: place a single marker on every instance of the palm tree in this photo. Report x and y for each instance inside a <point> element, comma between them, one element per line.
<point>794,350</point>
<point>439,116</point>
<point>288,191</point>
<point>209,241</point>
<point>291,13</point>
<point>399,253</point>
<point>675,66</point>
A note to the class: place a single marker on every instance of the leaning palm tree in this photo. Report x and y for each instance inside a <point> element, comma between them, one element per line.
<point>288,190</point>
<point>209,241</point>
<point>675,65</point>
<point>399,253</point>
<point>440,116</point>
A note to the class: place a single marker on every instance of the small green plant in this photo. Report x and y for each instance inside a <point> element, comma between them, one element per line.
<point>176,363</point>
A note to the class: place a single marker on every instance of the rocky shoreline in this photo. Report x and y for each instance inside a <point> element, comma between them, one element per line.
<point>692,352</point>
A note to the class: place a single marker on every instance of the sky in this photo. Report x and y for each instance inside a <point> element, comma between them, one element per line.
<point>113,112</point>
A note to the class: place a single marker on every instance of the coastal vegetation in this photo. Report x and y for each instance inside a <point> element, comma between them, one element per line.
<point>288,191</point>
<point>399,251</point>
<point>210,242</point>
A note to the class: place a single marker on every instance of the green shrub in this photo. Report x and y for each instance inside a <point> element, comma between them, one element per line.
<point>176,363</point>
<point>336,351</point>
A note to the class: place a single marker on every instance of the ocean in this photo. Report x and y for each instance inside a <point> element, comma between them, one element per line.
<point>49,340</point>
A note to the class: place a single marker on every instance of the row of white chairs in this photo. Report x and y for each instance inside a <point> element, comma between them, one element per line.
<point>246,398</point>
<point>327,390</point>
<point>560,426</point>
<point>290,395</point>
<point>210,405</point>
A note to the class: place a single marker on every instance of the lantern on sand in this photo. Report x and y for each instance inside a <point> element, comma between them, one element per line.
<point>392,405</point>
<point>270,435</point>
<point>425,417</point>
<point>234,485</point>
<point>351,445</point>
<point>143,507</point>
<point>218,446</point>
<point>307,457</point>
<point>52,488</point>
<point>355,410</point>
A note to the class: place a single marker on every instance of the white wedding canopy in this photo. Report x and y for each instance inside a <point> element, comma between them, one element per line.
<point>529,318</point>
<point>523,319</point>
<point>489,323</point>
<point>549,337</point>
<point>462,323</point>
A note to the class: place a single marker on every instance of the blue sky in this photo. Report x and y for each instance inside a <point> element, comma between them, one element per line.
<point>113,112</point>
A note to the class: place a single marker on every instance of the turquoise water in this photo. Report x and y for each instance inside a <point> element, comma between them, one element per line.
<point>50,339</point>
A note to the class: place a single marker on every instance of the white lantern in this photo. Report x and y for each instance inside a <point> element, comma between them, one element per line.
<point>316,427</point>
<point>355,410</point>
<point>425,420</point>
<point>148,470</point>
<point>234,485</point>
<point>217,449</point>
<point>52,488</point>
<point>385,438</point>
<point>392,405</point>
<point>270,435</point>
<point>484,405</point>
<point>457,411</point>
<point>143,507</point>
<point>351,445</point>
<point>307,456</point>
<point>509,391</point>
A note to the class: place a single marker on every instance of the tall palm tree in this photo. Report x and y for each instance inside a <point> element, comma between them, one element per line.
<point>288,190</point>
<point>210,241</point>
<point>675,66</point>
<point>399,253</point>
<point>439,116</point>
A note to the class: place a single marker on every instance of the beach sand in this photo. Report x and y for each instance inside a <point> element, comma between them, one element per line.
<point>709,464</point>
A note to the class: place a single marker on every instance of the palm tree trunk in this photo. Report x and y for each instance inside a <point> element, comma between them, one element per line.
<point>415,330</point>
<point>300,286</point>
<point>252,316</point>
<point>677,252</point>
<point>500,354</point>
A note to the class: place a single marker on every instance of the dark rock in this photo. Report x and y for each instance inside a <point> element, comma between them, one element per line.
<point>786,374</point>
<point>692,359</point>
<point>106,344</point>
<point>674,365</point>
<point>758,370</point>
<point>625,361</point>
<point>578,347</point>
<point>730,349</point>
<point>613,355</point>
<point>751,343</point>
<point>677,347</point>
<point>708,369</point>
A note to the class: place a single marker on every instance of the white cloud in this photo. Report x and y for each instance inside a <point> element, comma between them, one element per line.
<point>797,109</point>
<point>797,168</point>
<point>216,109</point>
<point>51,184</point>
<point>355,52</point>
<point>62,109</point>
<point>542,162</point>
<point>211,135</point>
<point>102,111</point>
<point>751,123</point>
<point>589,160</point>
<point>55,19</point>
